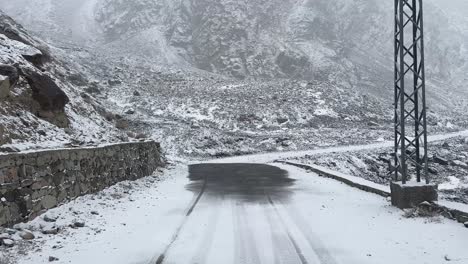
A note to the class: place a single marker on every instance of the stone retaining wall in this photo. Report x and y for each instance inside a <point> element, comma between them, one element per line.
<point>31,183</point>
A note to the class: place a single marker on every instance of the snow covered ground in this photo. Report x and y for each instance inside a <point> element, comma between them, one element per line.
<point>448,163</point>
<point>307,219</point>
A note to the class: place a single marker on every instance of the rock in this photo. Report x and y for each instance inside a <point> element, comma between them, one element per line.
<point>446,145</point>
<point>26,235</point>
<point>282,120</point>
<point>466,224</point>
<point>78,224</point>
<point>462,218</point>
<point>20,226</point>
<point>77,79</point>
<point>425,203</point>
<point>11,72</point>
<point>94,213</point>
<point>130,111</point>
<point>372,124</point>
<point>114,82</point>
<point>440,160</point>
<point>42,132</point>
<point>141,136</point>
<point>46,92</point>
<point>460,164</point>
<point>50,230</point>
<point>121,124</point>
<point>4,137</point>
<point>5,86</point>
<point>136,93</point>
<point>52,259</point>
<point>11,231</point>
<point>49,201</point>
<point>8,242</point>
<point>9,149</point>
<point>34,56</point>
<point>85,96</point>
<point>195,125</point>
<point>93,89</point>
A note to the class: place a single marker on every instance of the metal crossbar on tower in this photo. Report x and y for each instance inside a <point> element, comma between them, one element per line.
<point>410,92</point>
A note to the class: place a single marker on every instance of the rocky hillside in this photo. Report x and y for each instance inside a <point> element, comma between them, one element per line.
<point>42,103</point>
<point>225,77</point>
<point>448,166</point>
<point>345,41</point>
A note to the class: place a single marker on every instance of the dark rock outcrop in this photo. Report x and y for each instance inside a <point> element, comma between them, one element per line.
<point>5,86</point>
<point>46,92</point>
<point>11,72</point>
<point>15,31</point>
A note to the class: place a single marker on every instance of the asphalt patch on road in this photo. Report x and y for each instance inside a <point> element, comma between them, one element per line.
<point>244,181</point>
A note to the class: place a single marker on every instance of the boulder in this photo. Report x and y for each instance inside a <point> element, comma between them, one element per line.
<point>11,72</point>
<point>372,124</point>
<point>12,30</point>
<point>466,224</point>
<point>34,56</point>
<point>26,235</point>
<point>50,219</point>
<point>50,230</point>
<point>114,82</point>
<point>282,120</point>
<point>460,164</point>
<point>8,242</point>
<point>462,218</point>
<point>440,160</point>
<point>78,224</point>
<point>4,138</point>
<point>46,92</point>
<point>9,149</point>
<point>130,111</point>
<point>5,86</point>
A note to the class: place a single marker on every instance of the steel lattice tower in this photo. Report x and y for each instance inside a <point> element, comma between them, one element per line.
<point>410,92</point>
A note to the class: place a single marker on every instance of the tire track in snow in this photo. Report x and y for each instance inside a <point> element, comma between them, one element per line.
<point>314,241</point>
<point>194,203</point>
<point>246,251</point>
<point>289,236</point>
<point>204,248</point>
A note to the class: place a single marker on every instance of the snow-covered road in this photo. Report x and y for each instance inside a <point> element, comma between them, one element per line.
<point>249,213</point>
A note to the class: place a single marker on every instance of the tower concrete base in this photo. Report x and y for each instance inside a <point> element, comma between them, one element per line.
<point>412,194</point>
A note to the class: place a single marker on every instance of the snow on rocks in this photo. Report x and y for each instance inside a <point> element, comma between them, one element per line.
<point>8,242</point>
<point>49,218</point>
<point>86,217</point>
<point>52,259</point>
<point>78,224</point>
<point>26,235</point>
<point>5,86</point>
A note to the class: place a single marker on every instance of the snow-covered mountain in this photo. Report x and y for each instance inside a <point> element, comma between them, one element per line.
<point>42,99</point>
<point>195,61</point>
<point>342,40</point>
<point>292,38</point>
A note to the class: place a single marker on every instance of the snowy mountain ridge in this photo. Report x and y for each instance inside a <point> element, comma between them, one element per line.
<point>294,38</point>
<point>209,69</point>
